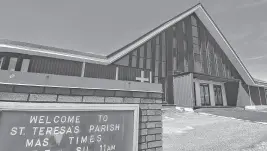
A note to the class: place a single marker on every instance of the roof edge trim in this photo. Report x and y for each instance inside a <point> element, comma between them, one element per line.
<point>63,55</point>
<point>161,28</point>
<point>227,43</point>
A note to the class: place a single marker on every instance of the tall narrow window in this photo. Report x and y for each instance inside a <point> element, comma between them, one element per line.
<point>185,45</point>
<point>174,60</point>
<point>216,64</point>
<point>183,26</point>
<point>157,68</point>
<point>141,52</point>
<point>185,65</point>
<point>208,58</point>
<point>12,64</point>
<point>195,31</point>
<point>174,53</point>
<point>134,61</point>
<point>196,41</point>
<point>193,21</point>
<point>134,53</point>
<point>163,69</point>
<point>141,62</point>
<point>157,52</point>
<point>149,53</point>
<point>148,63</point>
<point>157,40</point>
<point>185,56</point>
<point>141,57</point>
<point>163,47</point>
<point>134,58</point>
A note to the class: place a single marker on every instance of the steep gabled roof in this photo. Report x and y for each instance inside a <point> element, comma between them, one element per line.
<point>89,57</point>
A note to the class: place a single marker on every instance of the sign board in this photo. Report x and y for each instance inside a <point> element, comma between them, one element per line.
<point>68,127</point>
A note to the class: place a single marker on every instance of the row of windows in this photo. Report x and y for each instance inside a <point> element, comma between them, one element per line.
<point>13,64</point>
<point>178,53</point>
<point>206,59</point>
<point>204,49</point>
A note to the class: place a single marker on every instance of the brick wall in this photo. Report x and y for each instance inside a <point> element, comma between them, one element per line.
<point>150,120</point>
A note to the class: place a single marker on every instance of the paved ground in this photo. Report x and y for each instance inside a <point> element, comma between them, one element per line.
<point>253,116</point>
<point>196,132</point>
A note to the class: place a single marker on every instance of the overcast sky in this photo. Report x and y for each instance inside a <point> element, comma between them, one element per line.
<point>102,26</point>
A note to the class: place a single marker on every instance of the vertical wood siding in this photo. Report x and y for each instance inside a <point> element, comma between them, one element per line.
<point>55,66</point>
<point>130,74</point>
<point>100,71</point>
<point>183,91</point>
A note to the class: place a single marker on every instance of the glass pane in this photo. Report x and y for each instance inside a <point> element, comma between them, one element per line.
<point>156,79</point>
<point>163,54</point>
<point>157,68</point>
<point>163,40</point>
<point>174,31</point>
<point>148,63</point>
<point>185,45</point>
<point>193,21</point>
<point>134,58</point>
<point>163,69</point>
<point>12,64</point>
<point>194,31</point>
<point>157,52</point>
<point>149,53</point>
<point>224,73</point>
<point>202,96</point>
<point>142,51</point>
<point>134,53</point>
<point>157,40</point>
<point>183,25</point>
<point>207,95</point>
<point>196,49</point>
<point>123,61</point>
<point>174,52</point>
<point>197,57</point>
<point>141,62</point>
<point>174,43</point>
<point>195,40</point>
<point>174,63</point>
<point>185,65</point>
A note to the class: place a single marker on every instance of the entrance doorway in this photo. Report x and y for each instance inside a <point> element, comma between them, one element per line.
<point>218,95</point>
<point>205,94</point>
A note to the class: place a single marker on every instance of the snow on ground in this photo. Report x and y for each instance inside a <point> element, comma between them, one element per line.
<point>187,131</point>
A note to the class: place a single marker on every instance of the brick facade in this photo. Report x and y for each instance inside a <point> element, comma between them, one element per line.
<point>150,120</point>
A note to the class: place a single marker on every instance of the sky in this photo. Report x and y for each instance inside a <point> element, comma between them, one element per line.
<point>102,26</point>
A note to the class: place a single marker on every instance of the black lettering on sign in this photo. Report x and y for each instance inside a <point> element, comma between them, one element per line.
<point>66,130</point>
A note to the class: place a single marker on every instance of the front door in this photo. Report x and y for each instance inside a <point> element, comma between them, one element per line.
<point>205,94</point>
<point>218,95</point>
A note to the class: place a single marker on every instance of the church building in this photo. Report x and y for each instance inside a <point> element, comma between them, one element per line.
<point>187,54</point>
